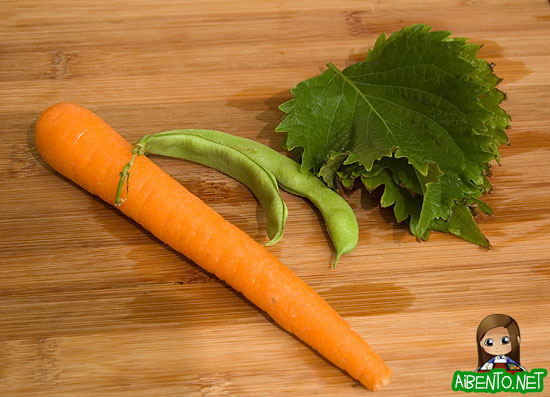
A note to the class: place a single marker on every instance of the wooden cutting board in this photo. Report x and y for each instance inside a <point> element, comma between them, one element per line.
<point>92,304</point>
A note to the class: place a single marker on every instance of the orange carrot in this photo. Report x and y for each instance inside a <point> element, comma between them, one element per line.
<point>80,146</point>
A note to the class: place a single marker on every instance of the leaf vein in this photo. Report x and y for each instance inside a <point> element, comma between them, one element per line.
<point>352,84</point>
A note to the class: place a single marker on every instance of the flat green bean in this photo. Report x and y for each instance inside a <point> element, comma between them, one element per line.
<point>202,150</point>
<point>339,218</point>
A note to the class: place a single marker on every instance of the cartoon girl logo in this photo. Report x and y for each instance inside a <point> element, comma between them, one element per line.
<point>498,341</point>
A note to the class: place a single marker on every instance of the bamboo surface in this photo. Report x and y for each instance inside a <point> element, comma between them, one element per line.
<point>93,305</point>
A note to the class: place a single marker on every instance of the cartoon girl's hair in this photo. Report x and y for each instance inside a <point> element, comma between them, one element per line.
<point>494,321</point>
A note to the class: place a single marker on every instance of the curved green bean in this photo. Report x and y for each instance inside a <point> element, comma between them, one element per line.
<point>339,218</point>
<point>202,150</point>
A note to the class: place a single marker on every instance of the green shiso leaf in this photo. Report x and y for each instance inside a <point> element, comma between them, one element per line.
<point>420,116</point>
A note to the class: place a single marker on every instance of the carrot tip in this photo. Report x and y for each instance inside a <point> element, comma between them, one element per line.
<point>381,384</point>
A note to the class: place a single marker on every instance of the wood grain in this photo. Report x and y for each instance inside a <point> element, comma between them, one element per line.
<point>91,304</point>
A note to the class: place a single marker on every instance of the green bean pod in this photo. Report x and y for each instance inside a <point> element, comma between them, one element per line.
<point>202,150</point>
<point>339,218</point>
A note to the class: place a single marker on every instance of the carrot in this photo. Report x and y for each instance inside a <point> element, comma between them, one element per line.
<point>80,146</point>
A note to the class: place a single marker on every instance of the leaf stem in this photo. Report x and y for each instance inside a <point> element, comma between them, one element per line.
<point>138,150</point>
